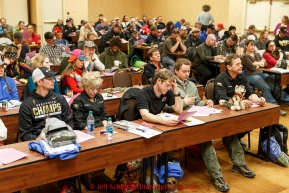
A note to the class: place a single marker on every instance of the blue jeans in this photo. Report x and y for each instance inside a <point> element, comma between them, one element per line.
<point>258,80</point>
<point>168,60</point>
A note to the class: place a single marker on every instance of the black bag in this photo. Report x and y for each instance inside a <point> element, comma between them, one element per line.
<point>280,132</point>
<point>282,64</point>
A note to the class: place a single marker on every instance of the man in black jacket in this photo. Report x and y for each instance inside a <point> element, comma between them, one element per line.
<point>153,36</point>
<point>41,105</point>
<point>282,39</point>
<point>193,39</point>
<point>115,31</point>
<point>69,29</point>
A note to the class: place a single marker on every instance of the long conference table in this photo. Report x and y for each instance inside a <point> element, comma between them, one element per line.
<point>97,153</point>
<point>10,118</point>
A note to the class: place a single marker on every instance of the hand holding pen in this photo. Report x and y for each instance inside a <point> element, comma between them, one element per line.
<point>210,103</point>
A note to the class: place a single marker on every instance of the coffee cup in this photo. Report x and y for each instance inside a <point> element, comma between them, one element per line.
<point>116,63</point>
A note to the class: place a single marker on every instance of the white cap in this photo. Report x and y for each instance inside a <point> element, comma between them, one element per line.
<point>183,27</point>
<point>42,72</point>
<point>251,37</point>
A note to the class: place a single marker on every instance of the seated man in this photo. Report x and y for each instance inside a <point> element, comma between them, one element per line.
<point>92,61</point>
<point>51,49</point>
<point>172,44</point>
<point>69,29</point>
<point>22,48</point>
<point>205,34</point>
<point>151,68</point>
<point>133,41</point>
<point>41,105</point>
<point>229,46</point>
<point>251,31</point>
<point>9,90</point>
<point>4,33</point>
<point>282,40</point>
<point>206,52</point>
<point>183,33</point>
<point>102,27</point>
<point>153,37</point>
<point>58,25</point>
<point>224,90</point>
<point>127,33</point>
<point>190,97</point>
<point>7,27</point>
<point>151,100</point>
<point>113,53</point>
<point>193,40</point>
<point>58,38</point>
<point>115,31</point>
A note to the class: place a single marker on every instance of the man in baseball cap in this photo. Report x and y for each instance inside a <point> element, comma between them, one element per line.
<point>282,39</point>
<point>42,72</point>
<point>41,105</point>
<point>210,30</point>
<point>92,62</point>
<point>193,39</point>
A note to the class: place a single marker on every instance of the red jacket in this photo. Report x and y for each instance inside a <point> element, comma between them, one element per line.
<point>72,79</point>
<point>271,62</point>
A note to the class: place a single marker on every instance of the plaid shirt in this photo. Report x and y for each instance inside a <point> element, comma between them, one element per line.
<point>53,52</point>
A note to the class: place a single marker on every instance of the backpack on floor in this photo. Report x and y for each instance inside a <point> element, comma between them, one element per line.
<point>128,176</point>
<point>280,133</point>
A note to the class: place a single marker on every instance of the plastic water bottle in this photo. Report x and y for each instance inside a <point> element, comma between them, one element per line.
<point>109,130</point>
<point>90,123</point>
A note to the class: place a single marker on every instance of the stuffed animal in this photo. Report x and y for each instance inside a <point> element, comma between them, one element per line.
<point>236,102</point>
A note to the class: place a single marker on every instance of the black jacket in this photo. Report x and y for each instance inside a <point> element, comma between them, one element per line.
<point>193,42</point>
<point>35,109</point>
<point>68,30</point>
<point>153,39</point>
<point>150,70</point>
<point>81,107</point>
<point>12,72</point>
<point>108,36</point>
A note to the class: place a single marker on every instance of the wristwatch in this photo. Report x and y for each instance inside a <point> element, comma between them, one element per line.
<point>177,95</point>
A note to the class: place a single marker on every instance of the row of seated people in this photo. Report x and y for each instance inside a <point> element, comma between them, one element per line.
<point>180,94</point>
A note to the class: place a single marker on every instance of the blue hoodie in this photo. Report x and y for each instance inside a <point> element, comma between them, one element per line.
<point>4,93</point>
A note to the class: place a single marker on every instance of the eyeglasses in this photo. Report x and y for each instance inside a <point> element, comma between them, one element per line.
<point>270,46</point>
<point>166,82</point>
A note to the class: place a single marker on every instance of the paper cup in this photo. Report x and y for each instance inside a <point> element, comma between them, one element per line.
<point>116,63</point>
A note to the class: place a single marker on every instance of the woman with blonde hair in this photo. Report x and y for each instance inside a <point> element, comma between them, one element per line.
<point>37,61</point>
<point>89,100</point>
<point>263,38</point>
<point>284,23</point>
<point>72,74</point>
<point>14,64</point>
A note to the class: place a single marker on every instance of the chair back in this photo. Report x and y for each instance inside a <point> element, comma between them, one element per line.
<point>121,79</point>
<point>209,89</point>
<point>145,80</point>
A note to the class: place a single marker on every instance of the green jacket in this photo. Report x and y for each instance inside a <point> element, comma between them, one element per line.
<point>107,58</point>
<point>192,91</point>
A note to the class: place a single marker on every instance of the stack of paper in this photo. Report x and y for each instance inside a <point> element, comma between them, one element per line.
<point>10,155</point>
<point>81,136</point>
<point>185,117</point>
<point>201,111</point>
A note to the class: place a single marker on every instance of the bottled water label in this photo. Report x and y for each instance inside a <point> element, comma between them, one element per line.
<point>109,133</point>
<point>90,128</point>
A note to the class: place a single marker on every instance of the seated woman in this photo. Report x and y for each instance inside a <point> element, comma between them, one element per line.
<point>34,37</point>
<point>263,38</point>
<point>73,72</point>
<point>37,61</point>
<point>272,55</point>
<point>252,63</point>
<point>167,32</point>
<point>154,65</point>
<point>89,100</point>
<point>8,87</point>
<point>14,65</point>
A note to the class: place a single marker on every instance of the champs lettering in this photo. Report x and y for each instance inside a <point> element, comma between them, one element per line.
<point>46,109</point>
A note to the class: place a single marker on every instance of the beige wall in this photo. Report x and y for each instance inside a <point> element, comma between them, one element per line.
<point>19,9</point>
<point>172,10</point>
<point>77,10</point>
<point>113,8</point>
